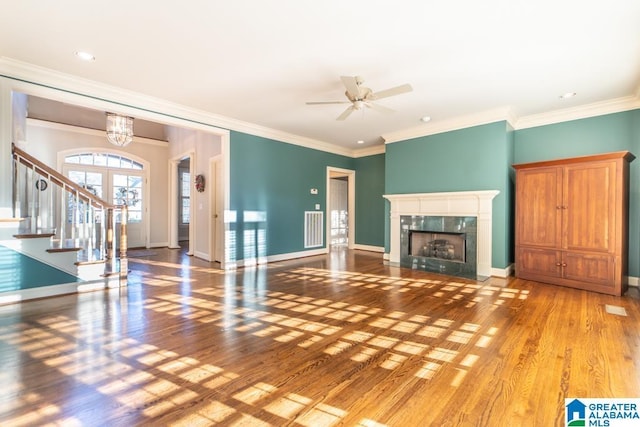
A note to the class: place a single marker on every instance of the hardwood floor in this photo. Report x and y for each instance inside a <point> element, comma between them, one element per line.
<point>337,339</point>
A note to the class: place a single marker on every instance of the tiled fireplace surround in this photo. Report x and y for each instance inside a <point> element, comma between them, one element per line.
<point>476,204</point>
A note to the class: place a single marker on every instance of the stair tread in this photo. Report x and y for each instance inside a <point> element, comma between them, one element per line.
<point>95,261</point>
<point>33,235</point>
<point>64,249</point>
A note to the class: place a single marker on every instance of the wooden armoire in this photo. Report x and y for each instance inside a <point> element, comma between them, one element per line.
<point>572,221</point>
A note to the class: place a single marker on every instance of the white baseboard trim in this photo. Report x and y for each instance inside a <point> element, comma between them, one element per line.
<point>502,272</point>
<point>252,262</point>
<point>160,245</point>
<point>633,281</point>
<point>202,255</point>
<point>13,297</point>
<point>385,256</point>
<point>369,248</point>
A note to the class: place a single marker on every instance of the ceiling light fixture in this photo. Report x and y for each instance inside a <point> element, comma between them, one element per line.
<point>85,56</point>
<point>568,95</point>
<point>360,142</point>
<point>119,129</point>
<point>425,119</point>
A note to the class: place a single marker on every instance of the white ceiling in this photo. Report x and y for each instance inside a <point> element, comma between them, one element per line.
<point>260,61</point>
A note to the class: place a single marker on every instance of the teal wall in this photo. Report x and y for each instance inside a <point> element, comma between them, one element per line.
<point>601,134</point>
<point>274,179</point>
<point>369,201</point>
<point>18,271</point>
<point>476,158</point>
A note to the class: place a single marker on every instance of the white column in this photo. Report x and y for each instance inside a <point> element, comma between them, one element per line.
<point>5,150</point>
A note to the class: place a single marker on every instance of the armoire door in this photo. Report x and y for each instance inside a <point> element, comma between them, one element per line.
<point>589,207</point>
<point>538,216</point>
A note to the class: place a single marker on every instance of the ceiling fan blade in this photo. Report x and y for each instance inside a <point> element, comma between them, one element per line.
<point>391,92</point>
<point>379,108</point>
<point>327,102</point>
<point>351,84</point>
<point>346,113</point>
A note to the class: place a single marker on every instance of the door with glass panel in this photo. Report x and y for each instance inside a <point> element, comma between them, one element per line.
<point>117,180</point>
<point>126,188</point>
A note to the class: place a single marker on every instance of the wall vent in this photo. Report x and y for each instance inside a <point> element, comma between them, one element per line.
<point>313,229</point>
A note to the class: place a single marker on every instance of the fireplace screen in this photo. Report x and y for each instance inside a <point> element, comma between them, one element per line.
<point>441,245</point>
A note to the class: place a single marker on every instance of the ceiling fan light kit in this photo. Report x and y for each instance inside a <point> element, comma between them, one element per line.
<point>360,96</point>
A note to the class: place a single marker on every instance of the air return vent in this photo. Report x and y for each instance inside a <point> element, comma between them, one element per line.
<point>313,223</point>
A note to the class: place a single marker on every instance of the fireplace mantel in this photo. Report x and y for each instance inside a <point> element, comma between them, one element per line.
<point>460,203</point>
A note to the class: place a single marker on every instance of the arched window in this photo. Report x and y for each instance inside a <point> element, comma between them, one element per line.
<point>104,159</point>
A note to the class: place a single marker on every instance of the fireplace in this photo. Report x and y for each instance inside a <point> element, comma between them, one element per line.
<point>408,212</point>
<point>438,244</point>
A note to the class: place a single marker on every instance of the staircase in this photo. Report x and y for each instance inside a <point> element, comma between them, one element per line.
<point>61,237</point>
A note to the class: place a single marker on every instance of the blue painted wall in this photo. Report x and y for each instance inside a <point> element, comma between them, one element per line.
<point>370,223</point>
<point>274,178</point>
<point>271,181</point>
<point>476,158</point>
<point>18,271</point>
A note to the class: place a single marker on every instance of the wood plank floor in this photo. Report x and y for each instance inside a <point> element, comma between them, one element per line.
<point>329,340</point>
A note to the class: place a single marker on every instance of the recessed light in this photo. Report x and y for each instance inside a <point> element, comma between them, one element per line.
<point>85,56</point>
<point>425,119</point>
<point>360,142</point>
<point>568,95</point>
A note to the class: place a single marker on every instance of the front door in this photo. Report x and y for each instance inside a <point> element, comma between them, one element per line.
<point>118,186</point>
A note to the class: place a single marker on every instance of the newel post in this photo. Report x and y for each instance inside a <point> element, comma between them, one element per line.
<point>124,262</point>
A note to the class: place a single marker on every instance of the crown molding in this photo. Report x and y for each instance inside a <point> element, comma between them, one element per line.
<point>88,131</point>
<point>369,151</point>
<point>102,96</point>
<point>506,113</point>
<point>456,123</point>
<point>580,112</point>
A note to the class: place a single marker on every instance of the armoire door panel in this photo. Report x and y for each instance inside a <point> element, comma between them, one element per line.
<point>539,218</point>
<point>589,207</point>
<point>538,262</point>
<point>589,268</point>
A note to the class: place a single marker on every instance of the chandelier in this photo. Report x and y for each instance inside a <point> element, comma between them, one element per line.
<point>119,129</point>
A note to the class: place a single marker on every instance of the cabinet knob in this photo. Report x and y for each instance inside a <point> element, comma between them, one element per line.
<point>558,264</point>
<point>564,264</point>
<point>558,207</point>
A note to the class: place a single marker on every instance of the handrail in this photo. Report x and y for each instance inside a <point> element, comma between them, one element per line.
<point>58,178</point>
<point>82,223</point>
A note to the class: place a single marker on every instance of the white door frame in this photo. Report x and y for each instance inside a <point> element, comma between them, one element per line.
<point>174,210</point>
<point>216,210</point>
<point>333,172</point>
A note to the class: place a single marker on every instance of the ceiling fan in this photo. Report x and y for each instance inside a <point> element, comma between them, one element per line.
<point>359,96</point>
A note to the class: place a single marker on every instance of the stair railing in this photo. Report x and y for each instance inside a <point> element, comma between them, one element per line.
<point>73,213</point>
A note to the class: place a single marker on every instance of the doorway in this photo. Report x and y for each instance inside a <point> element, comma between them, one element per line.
<point>340,224</point>
<point>184,203</point>
<point>118,180</point>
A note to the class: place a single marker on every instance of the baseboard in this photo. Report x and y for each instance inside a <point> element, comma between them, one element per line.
<point>369,248</point>
<point>159,245</point>
<point>17,296</point>
<point>502,272</point>
<point>202,255</point>
<point>633,281</point>
<point>385,256</point>
<point>252,262</point>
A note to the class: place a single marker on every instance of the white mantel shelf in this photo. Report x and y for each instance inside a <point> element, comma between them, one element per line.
<point>460,203</point>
